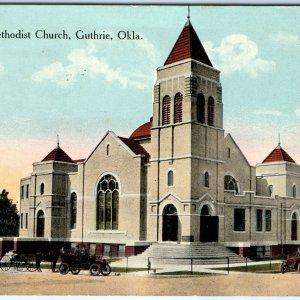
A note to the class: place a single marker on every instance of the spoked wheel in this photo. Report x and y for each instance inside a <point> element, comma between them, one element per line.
<point>106,270</point>
<point>94,269</point>
<point>64,268</point>
<point>75,271</point>
<point>283,268</point>
<point>31,267</point>
<point>21,266</point>
<point>5,266</point>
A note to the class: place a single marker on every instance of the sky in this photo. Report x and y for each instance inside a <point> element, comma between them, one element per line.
<point>80,88</point>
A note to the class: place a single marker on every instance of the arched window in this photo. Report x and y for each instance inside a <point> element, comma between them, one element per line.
<point>73,210</point>
<point>206,179</point>
<point>170,178</point>
<point>178,108</point>
<point>294,227</point>
<point>166,107</point>
<point>40,224</point>
<point>211,111</point>
<point>204,211</point>
<point>42,188</point>
<point>230,184</point>
<point>294,191</point>
<point>200,108</point>
<point>107,203</point>
<point>107,150</point>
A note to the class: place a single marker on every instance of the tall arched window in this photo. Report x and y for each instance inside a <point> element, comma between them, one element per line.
<point>107,150</point>
<point>178,108</point>
<point>294,227</point>
<point>200,108</point>
<point>42,188</point>
<point>206,179</point>
<point>294,191</point>
<point>166,107</point>
<point>170,178</point>
<point>73,210</point>
<point>40,224</point>
<point>230,184</point>
<point>211,111</point>
<point>107,203</point>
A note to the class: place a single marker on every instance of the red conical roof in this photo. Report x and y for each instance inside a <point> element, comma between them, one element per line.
<point>278,154</point>
<point>58,154</point>
<point>188,45</point>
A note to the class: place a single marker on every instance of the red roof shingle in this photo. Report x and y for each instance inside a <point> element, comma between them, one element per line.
<point>135,147</point>
<point>278,154</point>
<point>144,131</point>
<point>58,154</point>
<point>188,45</point>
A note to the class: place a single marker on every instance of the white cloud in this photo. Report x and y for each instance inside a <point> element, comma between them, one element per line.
<point>83,62</point>
<point>286,38</point>
<point>237,52</point>
<point>270,112</point>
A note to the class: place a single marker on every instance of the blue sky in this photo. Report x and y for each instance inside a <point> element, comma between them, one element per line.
<point>79,89</point>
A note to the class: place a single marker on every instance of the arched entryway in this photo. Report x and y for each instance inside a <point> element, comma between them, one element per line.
<point>170,223</point>
<point>209,225</point>
<point>294,227</point>
<point>40,224</point>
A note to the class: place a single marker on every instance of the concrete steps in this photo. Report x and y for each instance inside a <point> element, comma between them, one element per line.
<point>195,253</point>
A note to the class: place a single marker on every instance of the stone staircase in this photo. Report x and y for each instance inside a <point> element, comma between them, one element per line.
<point>200,253</point>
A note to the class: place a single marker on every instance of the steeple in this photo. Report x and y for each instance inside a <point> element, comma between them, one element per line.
<point>187,46</point>
<point>278,154</point>
<point>58,154</point>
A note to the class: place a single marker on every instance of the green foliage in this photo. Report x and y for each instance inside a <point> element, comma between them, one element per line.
<point>9,219</point>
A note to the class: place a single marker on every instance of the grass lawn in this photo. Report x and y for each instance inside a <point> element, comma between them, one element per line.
<point>123,269</point>
<point>266,268</point>
<point>183,273</point>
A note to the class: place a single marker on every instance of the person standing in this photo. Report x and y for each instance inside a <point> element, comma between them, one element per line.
<point>54,255</point>
<point>39,256</point>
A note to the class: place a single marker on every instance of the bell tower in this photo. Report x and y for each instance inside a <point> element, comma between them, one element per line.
<point>187,132</point>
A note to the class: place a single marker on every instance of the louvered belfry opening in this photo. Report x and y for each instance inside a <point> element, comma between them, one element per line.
<point>211,111</point>
<point>201,108</point>
<point>166,108</point>
<point>178,108</point>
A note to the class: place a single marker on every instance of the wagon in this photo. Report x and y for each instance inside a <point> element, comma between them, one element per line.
<point>291,263</point>
<point>74,263</point>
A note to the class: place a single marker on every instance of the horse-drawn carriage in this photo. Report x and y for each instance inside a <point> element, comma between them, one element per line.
<point>19,262</point>
<point>74,263</point>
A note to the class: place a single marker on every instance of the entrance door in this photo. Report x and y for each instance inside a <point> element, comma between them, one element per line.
<point>294,227</point>
<point>209,226</point>
<point>40,224</point>
<point>170,223</point>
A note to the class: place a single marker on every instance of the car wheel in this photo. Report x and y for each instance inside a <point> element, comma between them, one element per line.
<point>75,271</point>
<point>283,268</point>
<point>94,269</point>
<point>64,268</point>
<point>105,271</point>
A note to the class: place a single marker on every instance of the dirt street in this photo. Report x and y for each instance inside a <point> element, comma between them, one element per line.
<point>223,285</point>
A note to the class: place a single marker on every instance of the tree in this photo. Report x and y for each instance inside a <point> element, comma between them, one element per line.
<point>9,218</point>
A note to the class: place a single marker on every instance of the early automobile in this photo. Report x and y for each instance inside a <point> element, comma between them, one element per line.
<point>75,262</point>
<point>291,263</point>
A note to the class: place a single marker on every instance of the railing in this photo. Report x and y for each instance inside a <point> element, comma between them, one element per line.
<point>190,261</point>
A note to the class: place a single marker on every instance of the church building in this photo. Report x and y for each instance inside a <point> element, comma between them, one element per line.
<point>177,178</point>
